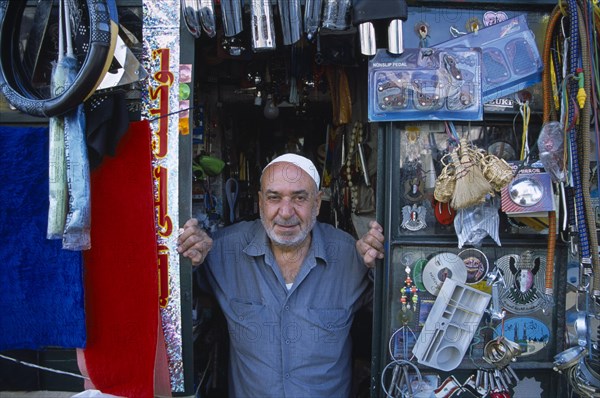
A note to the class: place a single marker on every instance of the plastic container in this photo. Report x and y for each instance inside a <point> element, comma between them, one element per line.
<point>450,326</point>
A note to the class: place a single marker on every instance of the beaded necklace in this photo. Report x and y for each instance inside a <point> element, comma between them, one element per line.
<point>352,164</point>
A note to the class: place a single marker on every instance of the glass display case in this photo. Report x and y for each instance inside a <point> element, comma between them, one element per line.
<point>444,306</point>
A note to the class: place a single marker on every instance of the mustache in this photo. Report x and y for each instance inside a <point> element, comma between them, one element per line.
<point>286,223</point>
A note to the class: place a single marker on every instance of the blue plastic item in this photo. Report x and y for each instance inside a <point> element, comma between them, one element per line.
<point>426,84</point>
<point>510,57</point>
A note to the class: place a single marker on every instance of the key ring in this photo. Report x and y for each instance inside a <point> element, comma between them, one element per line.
<point>568,358</point>
<point>500,352</point>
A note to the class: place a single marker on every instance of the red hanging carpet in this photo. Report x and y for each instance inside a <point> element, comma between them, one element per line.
<point>121,284</point>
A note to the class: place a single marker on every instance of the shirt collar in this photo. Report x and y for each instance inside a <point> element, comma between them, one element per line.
<point>318,243</point>
<point>259,242</point>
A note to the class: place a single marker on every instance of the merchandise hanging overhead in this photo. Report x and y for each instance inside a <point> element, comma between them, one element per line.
<point>15,82</point>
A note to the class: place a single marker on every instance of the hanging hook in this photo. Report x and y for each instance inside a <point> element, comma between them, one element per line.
<point>562,21</point>
<point>455,32</point>
<point>561,5</point>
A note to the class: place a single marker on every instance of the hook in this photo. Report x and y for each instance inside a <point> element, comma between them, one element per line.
<point>562,20</point>
<point>561,5</point>
<point>455,32</point>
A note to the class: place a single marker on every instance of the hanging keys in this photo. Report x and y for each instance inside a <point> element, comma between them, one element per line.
<point>400,383</point>
<point>394,382</point>
<point>512,373</point>
<point>478,377</point>
<point>500,381</point>
<point>471,386</point>
<point>486,380</point>
<point>479,385</point>
<point>409,391</point>
<point>492,382</point>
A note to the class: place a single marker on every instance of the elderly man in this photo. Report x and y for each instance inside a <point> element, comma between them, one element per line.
<point>289,287</point>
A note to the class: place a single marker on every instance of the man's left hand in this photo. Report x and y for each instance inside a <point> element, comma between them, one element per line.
<point>371,246</point>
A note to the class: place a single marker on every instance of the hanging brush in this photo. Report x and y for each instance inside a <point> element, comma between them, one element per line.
<point>471,186</point>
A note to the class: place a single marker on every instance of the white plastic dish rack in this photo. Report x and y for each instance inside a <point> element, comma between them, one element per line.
<point>450,326</point>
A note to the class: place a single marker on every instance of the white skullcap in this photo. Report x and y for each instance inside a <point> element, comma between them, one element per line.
<point>300,161</point>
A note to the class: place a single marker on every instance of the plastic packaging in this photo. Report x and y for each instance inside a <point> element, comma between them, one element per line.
<point>312,17</point>
<point>474,223</point>
<point>207,17</point>
<point>190,18</point>
<point>510,57</point>
<point>290,14</point>
<point>426,83</point>
<point>231,11</point>
<point>336,14</point>
<point>551,148</point>
<point>262,25</point>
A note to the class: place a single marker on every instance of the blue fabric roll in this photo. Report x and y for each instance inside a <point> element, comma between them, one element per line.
<point>42,285</point>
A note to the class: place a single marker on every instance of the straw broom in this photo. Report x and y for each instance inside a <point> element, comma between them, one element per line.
<point>497,171</point>
<point>471,186</point>
<point>445,183</point>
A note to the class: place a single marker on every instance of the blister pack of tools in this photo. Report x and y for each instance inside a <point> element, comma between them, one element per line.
<point>510,56</point>
<point>426,84</point>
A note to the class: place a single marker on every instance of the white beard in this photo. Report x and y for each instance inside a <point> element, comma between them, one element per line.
<point>289,241</point>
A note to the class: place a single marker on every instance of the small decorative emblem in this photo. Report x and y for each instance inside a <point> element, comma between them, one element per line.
<point>413,217</point>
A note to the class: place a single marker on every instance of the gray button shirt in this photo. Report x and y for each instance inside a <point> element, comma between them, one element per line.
<point>287,342</point>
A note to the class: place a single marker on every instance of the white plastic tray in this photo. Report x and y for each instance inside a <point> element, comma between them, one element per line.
<point>450,326</point>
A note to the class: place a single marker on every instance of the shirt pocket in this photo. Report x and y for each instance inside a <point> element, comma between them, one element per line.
<point>331,319</point>
<point>246,326</point>
<point>245,309</point>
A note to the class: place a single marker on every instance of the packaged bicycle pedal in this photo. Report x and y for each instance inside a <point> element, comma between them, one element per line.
<point>510,57</point>
<point>425,84</point>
